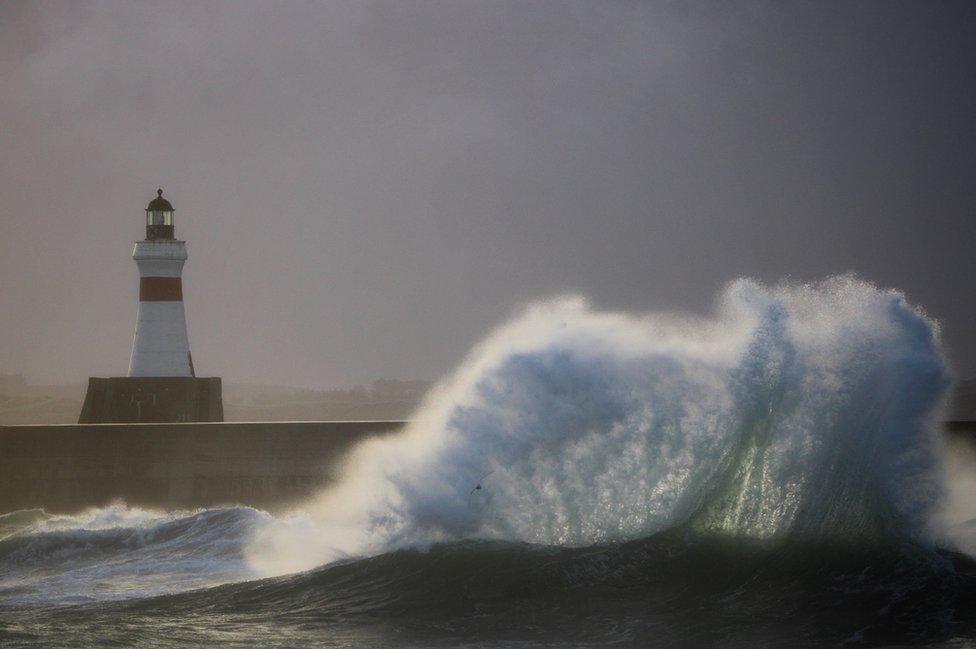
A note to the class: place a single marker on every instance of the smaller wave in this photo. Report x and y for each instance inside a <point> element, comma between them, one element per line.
<point>21,520</point>
<point>119,552</point>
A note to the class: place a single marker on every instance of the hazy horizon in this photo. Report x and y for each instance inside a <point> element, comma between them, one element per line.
<point>366,189</point>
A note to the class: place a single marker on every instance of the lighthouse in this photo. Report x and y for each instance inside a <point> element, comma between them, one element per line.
<point>161,385</point>
<point>160,346</point>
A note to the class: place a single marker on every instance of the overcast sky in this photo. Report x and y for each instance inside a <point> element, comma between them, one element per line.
<point>367,188</point>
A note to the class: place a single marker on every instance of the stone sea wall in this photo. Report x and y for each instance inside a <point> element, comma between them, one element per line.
<point>67,468</point>
<point>270,465</point>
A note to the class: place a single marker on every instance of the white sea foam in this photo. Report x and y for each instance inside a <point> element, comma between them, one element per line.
<point>795,409</point>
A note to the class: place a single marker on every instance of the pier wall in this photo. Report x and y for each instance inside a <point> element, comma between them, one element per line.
<point>68,468</point>
<point>269,465</point>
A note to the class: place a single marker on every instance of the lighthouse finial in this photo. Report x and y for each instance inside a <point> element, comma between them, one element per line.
<point>159,192</point>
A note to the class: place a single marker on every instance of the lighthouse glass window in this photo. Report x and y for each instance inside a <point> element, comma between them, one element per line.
<point>160,218</point>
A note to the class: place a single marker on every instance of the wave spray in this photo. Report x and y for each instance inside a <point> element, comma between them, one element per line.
<point>795,410</point>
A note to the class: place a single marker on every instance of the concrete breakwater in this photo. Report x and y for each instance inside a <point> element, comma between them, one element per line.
<point>270,465</point>
<point>68,468</point>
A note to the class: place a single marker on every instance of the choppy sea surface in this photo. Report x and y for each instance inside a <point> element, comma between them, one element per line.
<point>768,476</point>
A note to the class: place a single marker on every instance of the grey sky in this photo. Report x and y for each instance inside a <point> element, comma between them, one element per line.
<point>367,188</point>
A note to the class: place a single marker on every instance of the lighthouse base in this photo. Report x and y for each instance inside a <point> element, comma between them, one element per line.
<point>145,399</point>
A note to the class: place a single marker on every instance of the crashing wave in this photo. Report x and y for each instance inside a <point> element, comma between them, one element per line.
<point>795,410</point>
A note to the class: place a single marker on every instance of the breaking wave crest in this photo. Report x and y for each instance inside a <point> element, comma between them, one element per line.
<point>795,411</point>
<point>120,552</point>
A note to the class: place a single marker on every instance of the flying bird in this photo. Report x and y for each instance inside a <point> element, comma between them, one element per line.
<point>477,487</point>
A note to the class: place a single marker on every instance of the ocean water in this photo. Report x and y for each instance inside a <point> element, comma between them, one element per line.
<point>769,475</point>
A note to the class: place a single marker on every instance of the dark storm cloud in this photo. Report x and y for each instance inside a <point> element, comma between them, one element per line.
<point>365,188</point>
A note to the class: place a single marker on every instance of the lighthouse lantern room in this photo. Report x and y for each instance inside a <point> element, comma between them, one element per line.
<point>159,218</point>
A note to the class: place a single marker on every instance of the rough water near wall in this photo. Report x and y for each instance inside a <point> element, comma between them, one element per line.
<point>768,475</point>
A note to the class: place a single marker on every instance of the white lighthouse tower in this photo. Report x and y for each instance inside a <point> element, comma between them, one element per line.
<point>161,386</point>
<point>160,346</point>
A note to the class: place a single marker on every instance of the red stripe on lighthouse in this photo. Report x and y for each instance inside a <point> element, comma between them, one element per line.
<point>160,289</point>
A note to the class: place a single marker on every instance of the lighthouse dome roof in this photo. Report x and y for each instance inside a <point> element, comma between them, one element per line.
<point>159,204</point>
